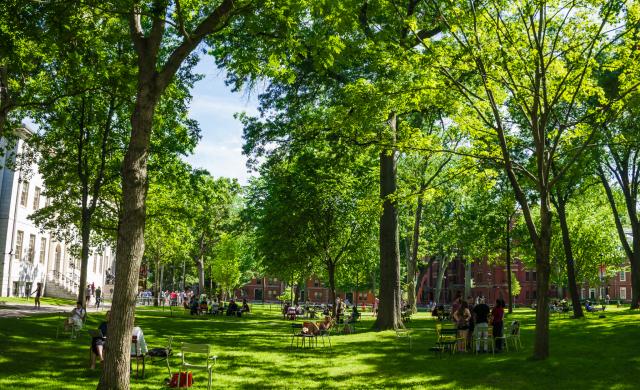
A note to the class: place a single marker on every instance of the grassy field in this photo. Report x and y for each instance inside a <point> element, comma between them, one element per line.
<point>253,352</point>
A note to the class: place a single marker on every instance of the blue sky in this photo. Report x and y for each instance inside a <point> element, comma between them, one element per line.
<point>213,106</point>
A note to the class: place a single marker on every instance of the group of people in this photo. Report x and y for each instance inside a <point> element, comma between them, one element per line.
<point>99,340</point>
<point>205,305</point>
<point>470,317</point>
<point>93,291</point>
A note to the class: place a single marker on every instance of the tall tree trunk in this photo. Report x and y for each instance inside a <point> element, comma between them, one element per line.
<point>331,270</point>
<point>467,277</point>
<point>508,261</point>
<point>130,243</point>
<point>413,259</point>
<point>84,255</point>
<point>156,283</point>
<point>442,267</point>
<point>390,290</point>
<point>568,255</point>
<point>200,264</point>
<point>543,270</point>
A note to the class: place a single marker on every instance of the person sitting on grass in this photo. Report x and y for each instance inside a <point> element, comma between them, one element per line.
<point>97,343</point>
<point>76,318</point>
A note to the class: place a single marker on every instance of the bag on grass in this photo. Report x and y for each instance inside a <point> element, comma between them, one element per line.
<point>181,379</point>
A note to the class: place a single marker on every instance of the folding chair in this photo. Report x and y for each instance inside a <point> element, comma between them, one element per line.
<point>159,354</point>
<point>204,357</point>
<point>137,355</point>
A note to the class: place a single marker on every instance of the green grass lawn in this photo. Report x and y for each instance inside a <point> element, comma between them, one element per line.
<point>253,352</point>
<point>43,301</point>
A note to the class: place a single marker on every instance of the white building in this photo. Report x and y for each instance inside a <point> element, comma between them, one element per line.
<point>30,255</point>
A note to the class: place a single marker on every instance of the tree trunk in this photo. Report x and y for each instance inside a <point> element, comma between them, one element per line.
<point>632,251</point>
<point>543,269</point>
<point>130,243</point>
<point>442,266</point>
<point>331,270</point>
<point>568,255</point>
<point>84,256</point>
<point>412,265</point>
<point>467,278</point>
<point>390,290</point>
<point>508,261</point>
<point>156,284</point>
<point>200,264</point>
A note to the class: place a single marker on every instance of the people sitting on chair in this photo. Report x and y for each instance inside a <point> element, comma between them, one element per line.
<point>203,305</point>
<point>233,308</point>
<point>316,328</point>
<point>354,314</point>
<point>76,318</point>
<point>291,313</point>
<point>245,306</point>
<point>138,348</point>
<point>193,305</point>
<point>97,342</point>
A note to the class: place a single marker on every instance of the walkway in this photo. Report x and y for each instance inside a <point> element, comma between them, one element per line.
<point>11,309</point>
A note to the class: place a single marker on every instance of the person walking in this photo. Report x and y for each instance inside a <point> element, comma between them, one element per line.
<point>38,293</point>
<point>98,295</point>
<point>87,295</point>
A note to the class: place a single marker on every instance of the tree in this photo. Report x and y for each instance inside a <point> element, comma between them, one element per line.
<point>536,101</point>
<point>81,137</point>
<point>210,206</point>
<point>225,264</point>
<point>162,53</point>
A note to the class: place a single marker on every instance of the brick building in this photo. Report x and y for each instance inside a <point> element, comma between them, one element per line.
<point>490,281</point>
<point>314,291</point>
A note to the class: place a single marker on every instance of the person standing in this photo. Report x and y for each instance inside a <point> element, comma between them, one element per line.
<point>98,295</point>
<point>461,317</point>
<point>38,293</point>
<point>498,315</point>
<point>87,295</point>
<point>481,312</point>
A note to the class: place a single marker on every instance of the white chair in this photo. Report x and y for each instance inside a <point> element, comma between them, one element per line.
<point>205,359</point>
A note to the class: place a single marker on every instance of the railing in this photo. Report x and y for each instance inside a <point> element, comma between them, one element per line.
<point>65,281</point>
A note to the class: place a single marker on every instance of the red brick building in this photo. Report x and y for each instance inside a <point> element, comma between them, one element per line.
<point>490,281</point>
<point>268,289</point>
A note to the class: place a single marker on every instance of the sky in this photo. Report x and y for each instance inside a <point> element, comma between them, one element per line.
<point>213,105</point>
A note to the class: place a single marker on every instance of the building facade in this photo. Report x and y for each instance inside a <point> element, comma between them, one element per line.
<point>29,254</point>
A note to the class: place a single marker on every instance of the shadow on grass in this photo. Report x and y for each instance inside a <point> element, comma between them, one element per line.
<point>253,352</point>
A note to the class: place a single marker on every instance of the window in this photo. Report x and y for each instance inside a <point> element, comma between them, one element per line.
<point>533,276</point>
<point>19,240</point>
<point>43,248</point>
<point>623,293</point>
<point>32,248</point>
<point>582,293</point>
<point>526,276</point>
<point>623,276</point>
<point>316,283</point>
<point>36,198</point>
<point>100,263</point>
<point>592,293</point>
<point>58,258</point>
<point>24,196</point>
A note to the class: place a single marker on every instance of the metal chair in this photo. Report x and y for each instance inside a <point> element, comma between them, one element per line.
<point>137,355</point>
<point>206,360</point>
